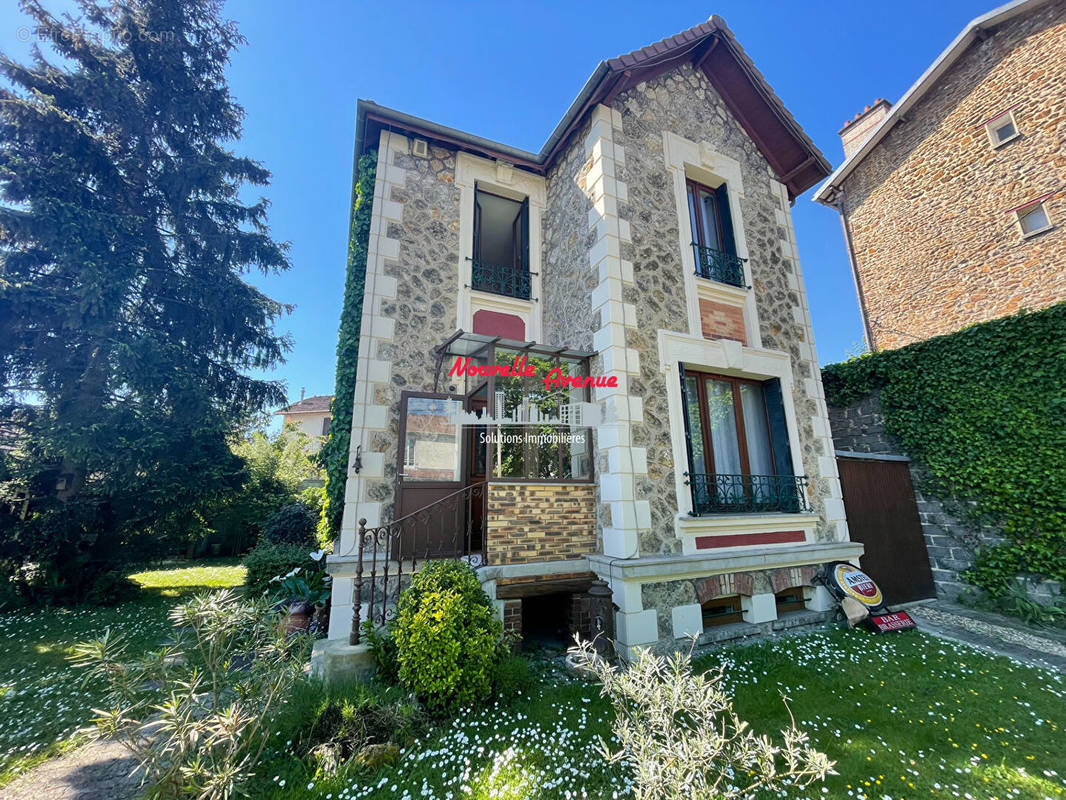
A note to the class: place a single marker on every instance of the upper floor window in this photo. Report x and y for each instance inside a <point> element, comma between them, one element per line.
<point>739,453</point>
<point>1002,129</point>
<point>501,245</point>
<point>713,243</point>
<point>1033,219</point>
<point>325,425</point>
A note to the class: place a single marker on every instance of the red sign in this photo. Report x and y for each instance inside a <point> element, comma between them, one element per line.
<point>897,621</point>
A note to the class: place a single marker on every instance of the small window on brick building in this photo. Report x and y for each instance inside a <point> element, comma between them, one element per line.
<point>1002,129</point>
<point>1033,219</point>
<point>790,600</point>
<point>722,611</point>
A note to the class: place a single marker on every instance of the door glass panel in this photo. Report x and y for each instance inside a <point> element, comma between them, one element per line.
<point>432,441</point>
<point>760,457</point>
<point>723,424</point>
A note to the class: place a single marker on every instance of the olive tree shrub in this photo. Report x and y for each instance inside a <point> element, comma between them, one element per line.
<point>678,732</point>
<point>196,714</point>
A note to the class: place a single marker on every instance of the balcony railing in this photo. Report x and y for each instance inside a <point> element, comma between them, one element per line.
<point>718,266</point>
<point>505,279</point>
<point>725,494</point>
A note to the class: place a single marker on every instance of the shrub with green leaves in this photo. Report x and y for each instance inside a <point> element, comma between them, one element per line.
<point>294,523</point>
<point>677,731</point>
<point>197,714</point>
<point>268,561</point>
<point>447,637</point>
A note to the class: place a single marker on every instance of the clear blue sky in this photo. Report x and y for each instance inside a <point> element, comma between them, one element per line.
<point>508,72</point>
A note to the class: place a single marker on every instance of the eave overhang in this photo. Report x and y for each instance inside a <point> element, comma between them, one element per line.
<point>710,47</point>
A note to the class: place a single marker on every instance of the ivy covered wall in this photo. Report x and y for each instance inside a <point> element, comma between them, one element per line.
<point>334,454</point>
<point>983,412</point>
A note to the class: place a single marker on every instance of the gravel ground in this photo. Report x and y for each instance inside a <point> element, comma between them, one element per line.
<point>97,771</point>
<point>983,632</point>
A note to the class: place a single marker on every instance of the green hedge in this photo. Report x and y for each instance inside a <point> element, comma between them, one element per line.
<point>266,561</point>
<point>334,454</point>
<point>984,411</point>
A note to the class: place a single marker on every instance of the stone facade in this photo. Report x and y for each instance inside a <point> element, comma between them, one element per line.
<point>613,276</point>
<point>929,209</point>
<point>534,522</point>
<point>684,103</point>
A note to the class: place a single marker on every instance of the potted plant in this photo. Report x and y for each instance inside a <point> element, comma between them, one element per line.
<point>302,593</point>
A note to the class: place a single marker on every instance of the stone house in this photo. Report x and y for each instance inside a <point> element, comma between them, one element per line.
<point>953,200</point>
<point>646,259</point>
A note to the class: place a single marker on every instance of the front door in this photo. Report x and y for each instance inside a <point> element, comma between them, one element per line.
<point>429,477</point>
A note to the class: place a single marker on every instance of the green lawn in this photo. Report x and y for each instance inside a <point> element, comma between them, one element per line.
<point>42,702</point>
<point>905,716</point>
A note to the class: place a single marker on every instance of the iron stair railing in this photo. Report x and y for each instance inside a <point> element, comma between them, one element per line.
<point>389,555</point>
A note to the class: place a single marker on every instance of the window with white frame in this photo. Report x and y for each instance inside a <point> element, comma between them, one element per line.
<point>1002,129</point>
<point>1033,219</point>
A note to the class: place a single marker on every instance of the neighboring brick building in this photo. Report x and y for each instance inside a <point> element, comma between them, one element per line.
<point>650,243</point>
<point>954,201</point>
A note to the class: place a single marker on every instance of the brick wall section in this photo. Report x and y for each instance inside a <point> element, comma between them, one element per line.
<point>512,617</point>
<point>540,522</point>
<point>935,248</point>
<point>721,321</point>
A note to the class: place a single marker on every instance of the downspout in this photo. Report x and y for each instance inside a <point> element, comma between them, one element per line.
<point>838,203</point>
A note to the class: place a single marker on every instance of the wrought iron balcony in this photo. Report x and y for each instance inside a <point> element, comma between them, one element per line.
<point>503,279</point>
<point>725,494</point>
<point>719,266</point>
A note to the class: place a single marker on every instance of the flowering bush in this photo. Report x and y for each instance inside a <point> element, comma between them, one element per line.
<point>679,732</point>
<point>447,637</point>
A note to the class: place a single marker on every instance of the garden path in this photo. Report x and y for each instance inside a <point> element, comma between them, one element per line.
<point>98,771</point>
<point>994,633</point>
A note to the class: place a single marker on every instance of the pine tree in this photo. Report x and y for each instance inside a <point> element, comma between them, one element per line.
<point>127,329</point>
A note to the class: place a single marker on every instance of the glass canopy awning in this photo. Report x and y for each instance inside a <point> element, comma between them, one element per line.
<point>478,346</point>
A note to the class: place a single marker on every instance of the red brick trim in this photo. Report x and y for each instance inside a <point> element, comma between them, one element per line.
<point>739,539</point>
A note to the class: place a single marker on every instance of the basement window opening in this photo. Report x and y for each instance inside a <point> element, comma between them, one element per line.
<point>722,611</point>
<point>546,621</point>
<point>790,600</point>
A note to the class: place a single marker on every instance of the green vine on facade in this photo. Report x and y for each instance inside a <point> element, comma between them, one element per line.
<point>334,454</point>
<point>984,411</point>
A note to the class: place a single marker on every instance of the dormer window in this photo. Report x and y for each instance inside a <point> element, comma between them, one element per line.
<point>713,244</point>
<point>500,263</point>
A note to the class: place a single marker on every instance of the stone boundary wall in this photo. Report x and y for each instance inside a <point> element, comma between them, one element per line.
<point>952,541</point>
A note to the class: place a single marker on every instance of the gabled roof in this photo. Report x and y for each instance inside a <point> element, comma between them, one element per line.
<point>709,46</point>
<point>976,30</point>
<point>310,405</point>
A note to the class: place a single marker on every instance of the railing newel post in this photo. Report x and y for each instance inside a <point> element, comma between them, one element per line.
<point>357,590</point>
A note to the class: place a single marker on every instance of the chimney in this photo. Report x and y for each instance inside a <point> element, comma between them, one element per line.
<point>856,131</point>
<point>303,391</point>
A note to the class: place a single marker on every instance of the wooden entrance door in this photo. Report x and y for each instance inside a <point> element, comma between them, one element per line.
<point>430,468</point>
<point>883,515</point>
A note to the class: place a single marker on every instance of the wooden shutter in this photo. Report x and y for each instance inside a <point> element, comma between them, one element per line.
<point>729,242</point>
<point>775,412</point>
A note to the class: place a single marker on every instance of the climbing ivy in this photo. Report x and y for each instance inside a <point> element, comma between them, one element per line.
<point>334,454</point>
<point>984,411</point>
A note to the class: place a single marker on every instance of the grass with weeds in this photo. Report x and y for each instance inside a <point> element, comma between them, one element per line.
<point>904,716</point>
<point>42,701</point>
